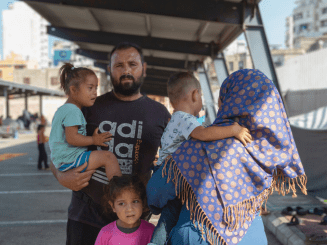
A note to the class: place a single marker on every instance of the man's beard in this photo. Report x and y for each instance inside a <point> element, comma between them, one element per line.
<point>127,88</point>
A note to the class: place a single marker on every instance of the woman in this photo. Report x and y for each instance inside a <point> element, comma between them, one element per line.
<point>222,184</point>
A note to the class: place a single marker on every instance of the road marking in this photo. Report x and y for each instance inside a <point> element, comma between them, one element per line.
<point>31,192</point>
<point>24,174</point>
<point>32,222</point>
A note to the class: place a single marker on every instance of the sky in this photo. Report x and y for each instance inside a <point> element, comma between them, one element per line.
<point>273,13</point>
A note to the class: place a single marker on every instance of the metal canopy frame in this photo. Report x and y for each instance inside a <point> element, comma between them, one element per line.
<point>175,35</point>
<point>24,91</point>
<point>150,43</point>
<point>103,57</point>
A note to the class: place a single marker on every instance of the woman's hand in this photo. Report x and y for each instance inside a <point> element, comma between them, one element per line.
<point>73,179</point>
<point>242,134</point>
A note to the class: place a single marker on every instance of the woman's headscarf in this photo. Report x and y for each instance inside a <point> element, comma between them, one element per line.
<point>223,183</point>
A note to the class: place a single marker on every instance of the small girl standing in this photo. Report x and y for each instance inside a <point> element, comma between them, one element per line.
<point>41,139</point>
<point>68,140</point>
<point>126,196</point>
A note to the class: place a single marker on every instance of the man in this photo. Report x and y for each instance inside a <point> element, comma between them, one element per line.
<point>136,124</point>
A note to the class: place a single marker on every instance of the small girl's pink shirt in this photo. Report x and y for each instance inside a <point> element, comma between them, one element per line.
<point>111,235</point>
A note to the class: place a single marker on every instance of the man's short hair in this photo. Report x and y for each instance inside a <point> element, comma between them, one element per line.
<point>126,45</point>
<point>180,84</point>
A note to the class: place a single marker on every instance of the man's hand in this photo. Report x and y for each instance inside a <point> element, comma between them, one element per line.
<point>242,134</point>
<point>73,179</point>
<point>99,139</point>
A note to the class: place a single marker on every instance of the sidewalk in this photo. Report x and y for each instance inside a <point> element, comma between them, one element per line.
<point>293,235</point>
<point>275,222</point>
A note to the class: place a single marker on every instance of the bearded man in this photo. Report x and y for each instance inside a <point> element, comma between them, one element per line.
<point>136,124</point>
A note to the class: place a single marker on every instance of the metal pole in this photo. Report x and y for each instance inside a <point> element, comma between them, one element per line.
<point>5,94</point>
<point>26,101</point>
<point>207,93</point>
<point>41,106</point>
<point>258,44</point>
<point>221,68</point>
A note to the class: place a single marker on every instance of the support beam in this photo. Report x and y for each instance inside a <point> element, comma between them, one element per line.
<point>164,74</point>
<point>41,106</point>
<point>214,11</point>
<point>221,68</point>
<point>258,44</point>
<point>207,94</point>
<point>200,32</point>
<point>148,25</point>
<point>152,43</point>
<point>6,95</point>
<point>26,101</point>
<point>103,57</point>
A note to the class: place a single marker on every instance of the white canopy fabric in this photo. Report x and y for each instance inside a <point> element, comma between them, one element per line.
<point>314,120</point>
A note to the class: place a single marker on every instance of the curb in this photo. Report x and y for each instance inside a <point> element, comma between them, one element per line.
<point>287,235</point>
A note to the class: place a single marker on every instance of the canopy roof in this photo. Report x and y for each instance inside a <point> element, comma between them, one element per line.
<point>175,35</point>
<point>17,89</point>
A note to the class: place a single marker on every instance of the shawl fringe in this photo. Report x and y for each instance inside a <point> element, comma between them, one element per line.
<point>234,215</point>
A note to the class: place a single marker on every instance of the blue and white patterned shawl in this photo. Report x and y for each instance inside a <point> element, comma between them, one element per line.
<point>224,183</point>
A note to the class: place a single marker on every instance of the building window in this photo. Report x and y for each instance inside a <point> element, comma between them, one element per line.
<point>231,66</point>
<point>0,73</point>
<point>323,23</point>
<point>26,80</point>
<point>54,81</point>
<point>240,65</point>
<point>19,67</point>
<point>298,16</point>
<point>324,10</point>
<point>304,27</point>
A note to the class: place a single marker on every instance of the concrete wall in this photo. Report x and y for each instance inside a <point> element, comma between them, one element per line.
<point>304,72</point>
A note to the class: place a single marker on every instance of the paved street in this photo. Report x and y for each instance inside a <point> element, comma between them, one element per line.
<point>33,207</point>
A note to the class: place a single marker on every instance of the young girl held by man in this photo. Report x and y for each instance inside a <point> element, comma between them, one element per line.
<point>126,196</point>
<point>68,140</point>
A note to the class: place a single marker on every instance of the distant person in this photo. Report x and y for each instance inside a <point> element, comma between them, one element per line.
<point>43,120</point>
<point>126,196</point>
<point>26,119</point>
<point>41,140</point>
<point>68,140</point>
<point>1,120</point>
<point>184,92</point>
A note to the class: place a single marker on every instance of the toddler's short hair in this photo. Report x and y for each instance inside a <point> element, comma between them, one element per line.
<point>179,85</point>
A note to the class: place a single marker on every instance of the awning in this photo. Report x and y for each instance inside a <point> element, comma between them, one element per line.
<point>176,35</point>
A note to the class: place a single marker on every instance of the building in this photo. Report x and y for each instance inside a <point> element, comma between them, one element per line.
<point>11,63</point>
<point>280,56</point>
<point>309,19</point>
<point>238,61</point>
<point>236,47</point>
<point>24,32</point>
<point>303,82</point>
<point>289,35</point>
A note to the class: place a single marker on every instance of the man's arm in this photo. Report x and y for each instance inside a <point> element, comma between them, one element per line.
<point>73,179</point>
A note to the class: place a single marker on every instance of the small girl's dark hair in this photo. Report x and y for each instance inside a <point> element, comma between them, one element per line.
<point>118,184</point>
<point>71,76</point>
<point>40,127</point>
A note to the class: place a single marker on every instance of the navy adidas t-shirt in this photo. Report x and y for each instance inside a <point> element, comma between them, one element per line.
<point>137,127</point>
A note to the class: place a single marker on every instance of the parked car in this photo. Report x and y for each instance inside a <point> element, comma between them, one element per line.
<point>8,128</point>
